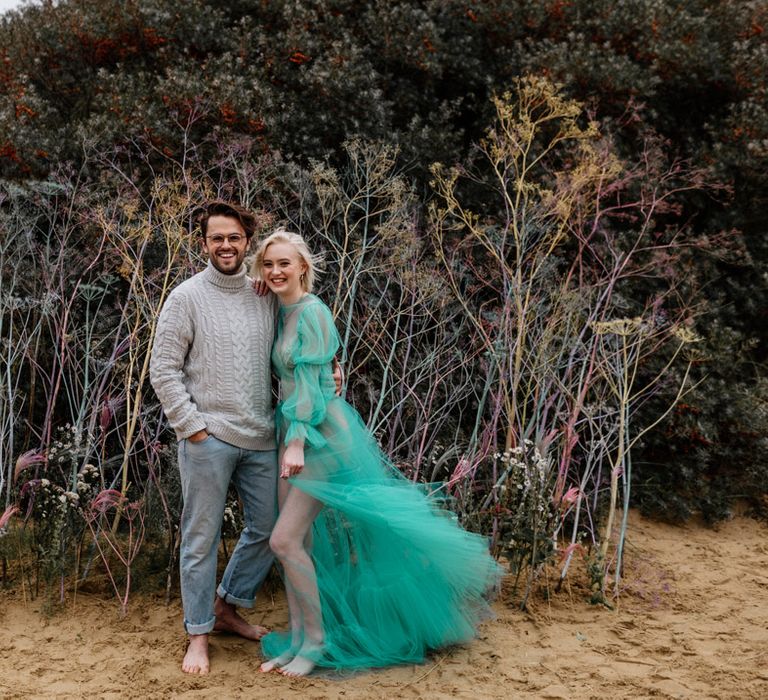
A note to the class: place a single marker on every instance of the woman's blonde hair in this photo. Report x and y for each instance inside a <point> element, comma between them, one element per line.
<point>294,239</point>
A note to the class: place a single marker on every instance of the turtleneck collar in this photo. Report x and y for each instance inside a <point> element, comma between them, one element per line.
<point>230,282</point>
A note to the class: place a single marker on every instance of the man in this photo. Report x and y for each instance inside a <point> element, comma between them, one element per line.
<point>210,368</point>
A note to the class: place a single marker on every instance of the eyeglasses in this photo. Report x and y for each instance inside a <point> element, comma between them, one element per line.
<point>234,239</point>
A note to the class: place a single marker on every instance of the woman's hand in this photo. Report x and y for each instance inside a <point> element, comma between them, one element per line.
<point>293,459</point>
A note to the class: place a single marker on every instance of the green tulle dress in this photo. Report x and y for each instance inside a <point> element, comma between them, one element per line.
<point>397,575</point>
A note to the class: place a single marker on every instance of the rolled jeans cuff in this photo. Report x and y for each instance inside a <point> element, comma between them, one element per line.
<point>232,600</point>
<point>205,628</point>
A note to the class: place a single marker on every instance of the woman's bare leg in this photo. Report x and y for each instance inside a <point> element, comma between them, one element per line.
<point>300,516</point>
<point>294,611</point>
<point>289,542</point>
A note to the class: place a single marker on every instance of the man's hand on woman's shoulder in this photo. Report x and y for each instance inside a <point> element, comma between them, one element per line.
<point>338,376</point>
<point>260,287</point>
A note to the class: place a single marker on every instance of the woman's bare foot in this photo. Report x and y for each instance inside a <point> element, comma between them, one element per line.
<point>229,620</point>
<point>304,662</point>
<point>196,658</point>
<point>277,662</point>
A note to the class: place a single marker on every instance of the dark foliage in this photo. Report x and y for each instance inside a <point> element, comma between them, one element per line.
<point>299,78</point>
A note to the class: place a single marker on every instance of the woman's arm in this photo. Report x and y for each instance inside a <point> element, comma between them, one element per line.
<point>304,409</point>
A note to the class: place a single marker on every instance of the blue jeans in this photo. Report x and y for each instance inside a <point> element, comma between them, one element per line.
<point>207,467</point>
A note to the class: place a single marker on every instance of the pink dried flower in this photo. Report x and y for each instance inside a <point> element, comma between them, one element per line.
<point>571,496</point>
<point>26,460</point>
<point>106,499</point>
<point>106,415</point>
<point>10,511</point>
<point>464,468</point>
<point>570,549</point>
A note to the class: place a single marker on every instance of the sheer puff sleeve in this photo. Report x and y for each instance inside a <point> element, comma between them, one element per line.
<point>317,343</point>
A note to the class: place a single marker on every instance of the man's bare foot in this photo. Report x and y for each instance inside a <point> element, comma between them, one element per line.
<point>277,662</point>
<point>303,663</point>
<point>196,658</point>
<point>229,620</point>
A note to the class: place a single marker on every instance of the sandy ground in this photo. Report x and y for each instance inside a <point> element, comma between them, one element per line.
<point>692,622</point>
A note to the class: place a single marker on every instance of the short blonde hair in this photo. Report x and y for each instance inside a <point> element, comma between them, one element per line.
<point>283,236</point>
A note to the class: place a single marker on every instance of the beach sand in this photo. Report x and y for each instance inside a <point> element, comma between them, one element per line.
<point>691,622</point>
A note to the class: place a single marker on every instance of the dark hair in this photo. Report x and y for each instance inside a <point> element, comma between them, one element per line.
<point>219,207</point>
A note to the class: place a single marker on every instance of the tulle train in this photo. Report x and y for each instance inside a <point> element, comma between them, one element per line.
<point>397,575</point>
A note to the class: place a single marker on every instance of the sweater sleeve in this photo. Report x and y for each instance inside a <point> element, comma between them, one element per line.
<point>316,345</point>
<point>173,338</point>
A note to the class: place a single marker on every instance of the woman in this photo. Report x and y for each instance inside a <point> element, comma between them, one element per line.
<point>375,573</point>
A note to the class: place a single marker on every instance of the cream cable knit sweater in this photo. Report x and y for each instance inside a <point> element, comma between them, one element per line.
<point>210,363</point>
